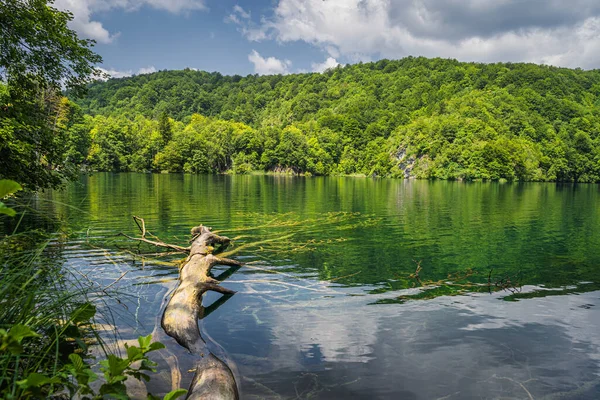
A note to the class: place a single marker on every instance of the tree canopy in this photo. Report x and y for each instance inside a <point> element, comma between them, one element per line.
<point>414,117</point>
<point>39,56</point>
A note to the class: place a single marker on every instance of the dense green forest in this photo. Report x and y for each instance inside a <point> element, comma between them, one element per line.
<point>415,117</point>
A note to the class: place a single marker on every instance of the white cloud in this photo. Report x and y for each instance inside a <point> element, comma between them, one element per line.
<point>475,30</point>
<point>269,65</point>
<point>82,23</point>
<point>83,10</point>
<point>246,26</point>
<point>173,6</point>
<point>113,73</point>
<point>324,66</point>
<point>239,16</point>
<point>146,70</point>
<point>241,12</point>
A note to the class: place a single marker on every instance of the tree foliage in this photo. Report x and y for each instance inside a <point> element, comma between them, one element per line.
<point>39,55</point>
<point>36,45</point>
<point>415,117</point>
<point>427,118</point>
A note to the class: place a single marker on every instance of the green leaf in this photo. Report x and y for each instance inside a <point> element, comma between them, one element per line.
<point>91,376</point>
<point>134,353</point>
<point>8,187</point>
<point>114,366</point>
<point>175,394</point>
<point>12,339</point>
<point>83,313</point>
<point>7,210</point>
<point>82,373</point>
<point>117,379</point>
<point>37,380</point>
<point>77,361</point>
<point>145,341</point>
<point>20,332</point>
<point>156,346</point>
<point>114,391</point>
<point>81,344</point>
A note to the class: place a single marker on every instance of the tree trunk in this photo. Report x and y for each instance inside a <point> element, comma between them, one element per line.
<point>213,378</point>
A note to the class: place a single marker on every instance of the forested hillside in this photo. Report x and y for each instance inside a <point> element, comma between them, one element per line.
<point>417,117</point>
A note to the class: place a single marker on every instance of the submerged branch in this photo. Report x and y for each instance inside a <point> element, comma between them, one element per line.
<point>175,247</point>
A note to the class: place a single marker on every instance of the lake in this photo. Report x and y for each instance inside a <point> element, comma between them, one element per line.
<point>361,288</point>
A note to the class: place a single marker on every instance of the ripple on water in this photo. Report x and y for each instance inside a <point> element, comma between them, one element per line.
<point>316,314</point>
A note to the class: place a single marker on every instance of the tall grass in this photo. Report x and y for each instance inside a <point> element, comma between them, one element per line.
<point>48,315</point>
<point>39,292</point>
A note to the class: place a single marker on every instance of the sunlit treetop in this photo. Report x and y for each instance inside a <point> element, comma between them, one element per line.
<point>37,45</point>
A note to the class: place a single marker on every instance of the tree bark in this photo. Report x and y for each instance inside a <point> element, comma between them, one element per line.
<point>213,378</point>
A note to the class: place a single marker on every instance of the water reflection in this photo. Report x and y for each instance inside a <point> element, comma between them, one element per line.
<point>319,316</point>
<point>475,347</point>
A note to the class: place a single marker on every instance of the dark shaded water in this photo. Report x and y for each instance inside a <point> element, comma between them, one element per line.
<point>506,304</point>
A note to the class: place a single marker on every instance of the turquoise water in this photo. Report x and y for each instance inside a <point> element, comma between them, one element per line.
<point>333,304</point>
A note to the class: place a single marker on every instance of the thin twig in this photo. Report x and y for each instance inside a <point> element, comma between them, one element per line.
<point>143,227</point>
<point>158,243</point>
<point>118,279</point>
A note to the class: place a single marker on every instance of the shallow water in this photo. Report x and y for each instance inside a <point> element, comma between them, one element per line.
<point>505,304</point>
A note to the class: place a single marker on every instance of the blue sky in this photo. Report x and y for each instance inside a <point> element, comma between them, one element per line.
<point>286,36</point>
<point>201,39</point>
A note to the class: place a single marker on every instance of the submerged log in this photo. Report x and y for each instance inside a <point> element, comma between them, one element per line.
<point>213,378</point>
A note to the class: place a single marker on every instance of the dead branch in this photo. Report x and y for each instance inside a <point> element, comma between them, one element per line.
<point>175,247</point>
<point>213,378</point>
<point>137,221</point>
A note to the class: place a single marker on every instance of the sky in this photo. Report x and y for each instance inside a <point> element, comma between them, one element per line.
<point>289,36</point>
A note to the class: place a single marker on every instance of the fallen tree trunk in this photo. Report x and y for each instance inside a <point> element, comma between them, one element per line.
<point>213,378</point>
